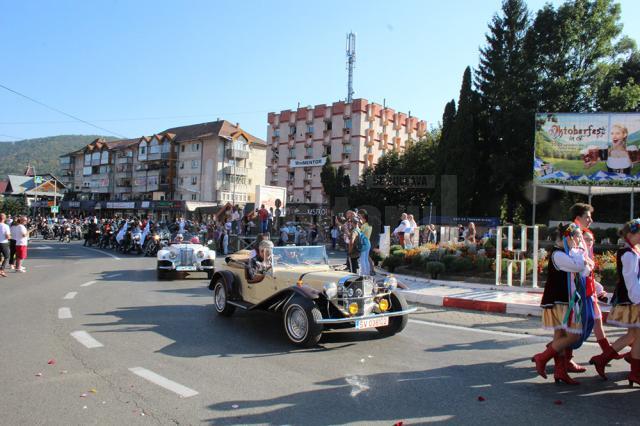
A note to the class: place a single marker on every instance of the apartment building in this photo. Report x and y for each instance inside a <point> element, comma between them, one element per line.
<point>351,135</point>
<point>212,163</point>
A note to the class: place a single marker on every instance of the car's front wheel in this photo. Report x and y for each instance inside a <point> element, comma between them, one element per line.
<point>301,318</point>
<point>396,324</point>
<point>220,299</point>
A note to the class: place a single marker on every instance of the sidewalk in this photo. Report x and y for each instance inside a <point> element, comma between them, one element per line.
<point>476,297</point>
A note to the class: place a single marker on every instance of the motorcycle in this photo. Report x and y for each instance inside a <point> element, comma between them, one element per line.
<point>66,234</point>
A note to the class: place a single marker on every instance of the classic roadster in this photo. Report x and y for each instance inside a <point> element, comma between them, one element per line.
<point>311,295</point>
<point>185,254</point>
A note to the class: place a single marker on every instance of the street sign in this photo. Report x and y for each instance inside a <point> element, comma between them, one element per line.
<point>37,179</point>
<point>55,209</point>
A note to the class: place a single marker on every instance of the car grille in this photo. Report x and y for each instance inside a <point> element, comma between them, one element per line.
<point>186,257</point>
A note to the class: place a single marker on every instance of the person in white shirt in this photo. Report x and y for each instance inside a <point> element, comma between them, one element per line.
<point>5,235</point>
<point>402,229</point>
<point>22,239</point>
<point>12,242</point>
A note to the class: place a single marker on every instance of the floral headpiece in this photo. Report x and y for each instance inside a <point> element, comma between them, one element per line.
<point>634,226</point>
<point>573,229</point>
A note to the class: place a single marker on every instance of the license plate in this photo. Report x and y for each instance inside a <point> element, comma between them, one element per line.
<point>185,268</point>
<point>372,322</point>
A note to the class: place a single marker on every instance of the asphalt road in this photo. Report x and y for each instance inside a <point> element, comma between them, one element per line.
<point>162,356</point>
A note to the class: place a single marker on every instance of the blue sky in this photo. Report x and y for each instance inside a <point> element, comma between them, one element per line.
<point>139,67</point>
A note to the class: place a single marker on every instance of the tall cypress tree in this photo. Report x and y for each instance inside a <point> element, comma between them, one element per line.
<point>505,80</point>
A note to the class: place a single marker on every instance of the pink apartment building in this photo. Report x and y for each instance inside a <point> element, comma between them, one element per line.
<point>352,135</point>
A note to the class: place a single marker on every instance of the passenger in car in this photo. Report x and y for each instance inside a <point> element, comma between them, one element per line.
<point>258,266</point>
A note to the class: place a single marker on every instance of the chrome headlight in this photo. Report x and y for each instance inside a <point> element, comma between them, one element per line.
<point>173,255</point>
<point>391,283</point>
<point>331,290</point>
<point>350,292</point>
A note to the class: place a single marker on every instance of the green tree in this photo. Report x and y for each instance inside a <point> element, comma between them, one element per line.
<point>328,180</point>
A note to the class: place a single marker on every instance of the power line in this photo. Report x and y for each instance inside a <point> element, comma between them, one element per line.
<point>60,112</point>
<point>220,114</point>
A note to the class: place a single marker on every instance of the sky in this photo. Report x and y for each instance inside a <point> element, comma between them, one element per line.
<point>139,67</point>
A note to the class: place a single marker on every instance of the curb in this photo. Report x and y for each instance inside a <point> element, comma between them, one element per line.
<point>473,305</point>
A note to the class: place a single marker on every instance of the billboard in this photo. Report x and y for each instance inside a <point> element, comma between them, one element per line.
<point>268,195</point>
<point>597,149</point>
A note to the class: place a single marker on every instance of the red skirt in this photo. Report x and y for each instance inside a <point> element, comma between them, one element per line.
<point>21,252</point>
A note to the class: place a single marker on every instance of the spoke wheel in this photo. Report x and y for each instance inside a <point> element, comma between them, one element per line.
<point>220,299</point>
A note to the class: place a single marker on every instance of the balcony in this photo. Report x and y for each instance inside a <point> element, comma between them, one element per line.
<point>124,168</point>
<point>124,160</point>
<point>239,187</point>
<point>307,187</point>
<point>235,170</point>
<point>158,156</point>
<point>308,143</point>
<point>274,167</point>
<point>237,153</point>
<point>292,144</point>
<point>346,138</point>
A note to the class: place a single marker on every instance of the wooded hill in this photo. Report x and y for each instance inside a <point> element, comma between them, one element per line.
<point>42,153</point>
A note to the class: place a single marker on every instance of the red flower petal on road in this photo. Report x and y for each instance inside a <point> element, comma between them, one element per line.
<point>557,402</point>
<point>481,398</point>
<point>51,362</point>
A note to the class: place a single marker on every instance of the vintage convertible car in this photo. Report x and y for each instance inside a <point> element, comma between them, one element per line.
<point>185,256</point>
<point>311,295</point>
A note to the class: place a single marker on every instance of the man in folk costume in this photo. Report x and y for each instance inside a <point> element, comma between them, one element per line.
<point>565,310</point>
<point>626,297</point>
<point>581,214</point>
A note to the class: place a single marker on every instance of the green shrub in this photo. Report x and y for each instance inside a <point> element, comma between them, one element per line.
<point>461,264</point>
<point>609,275</point>
<point>398,252</point>
<point>390,263</point>
<point>418,261</point>
<point>395,247</point>
<point>483,263</point>
<point>434,268</point>
<point>490,243</point>
<point>448,259</point>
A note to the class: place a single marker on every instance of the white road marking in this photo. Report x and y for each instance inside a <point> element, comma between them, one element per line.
<point>86,339</point>
<point>41,248</point>
<point>64,313</point>
<point>103,252</point>
<point>87,284</point>
<point>70,295</point>
<point>157,379</point>
<point>494,332</point>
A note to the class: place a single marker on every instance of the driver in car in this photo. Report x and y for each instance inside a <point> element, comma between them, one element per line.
<point>258,266</point>
<point>178,239</point>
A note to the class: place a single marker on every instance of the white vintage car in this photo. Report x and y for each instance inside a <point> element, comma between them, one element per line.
<point>185,254</point>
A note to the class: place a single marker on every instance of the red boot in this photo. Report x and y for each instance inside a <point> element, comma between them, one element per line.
<point>601,361</point>
<point>572,367</point>
<point>560,371</point>
<point>542,359</point>
<point>634,375</point>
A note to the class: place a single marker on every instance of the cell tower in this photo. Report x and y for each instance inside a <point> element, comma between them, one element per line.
<point>351,61</point>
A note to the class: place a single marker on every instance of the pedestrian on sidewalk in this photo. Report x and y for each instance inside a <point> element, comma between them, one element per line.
<point>401,229</point>
<point>22,240</point>
<point>12,242</point>
<point>564,309</point>
<point>581,215</point>
<point>626,299</point>
<point>5,235</point>
<point>334,236</point>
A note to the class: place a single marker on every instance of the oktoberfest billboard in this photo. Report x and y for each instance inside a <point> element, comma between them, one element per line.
<point>597,149</point>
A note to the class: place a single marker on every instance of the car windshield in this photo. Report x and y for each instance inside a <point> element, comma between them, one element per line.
<point>186,238</point>
<point>292,255</point>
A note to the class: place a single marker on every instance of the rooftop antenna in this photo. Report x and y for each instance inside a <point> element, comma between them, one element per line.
<point>351,60</point>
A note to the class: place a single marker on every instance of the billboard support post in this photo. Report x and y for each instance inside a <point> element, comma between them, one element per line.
<point>535,201</point>
<point>632,202</point>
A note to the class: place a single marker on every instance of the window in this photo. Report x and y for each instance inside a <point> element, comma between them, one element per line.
<point>292,153</point>
<point>194,180</point>
<point>347,123</point>
<point>195,147</point>
<point>276,133</point>
<point>195,164</point>
<point>292,175</point>
<point>193,197</point>
<point>327,151</point>
<point>182,148</point>
<point>154,148</point>
<point>307,198</point>
<point>309,151</point>
<point>308,176</point>
<point>346,149</point>
<point>292,130</point>
<point>309,128</point>
<point>327,125</point>
<point>181,196</point>
<point>182,164</point>
<point>87,159</point>
<point>181,181</point>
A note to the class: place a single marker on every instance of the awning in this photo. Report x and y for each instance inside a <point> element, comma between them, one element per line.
<point>591,190</point>
<point>193,205</point>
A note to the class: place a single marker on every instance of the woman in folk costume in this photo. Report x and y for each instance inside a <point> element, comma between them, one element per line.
<point>565,310</point>
<point>626,297</point>
<point>581,214</point>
